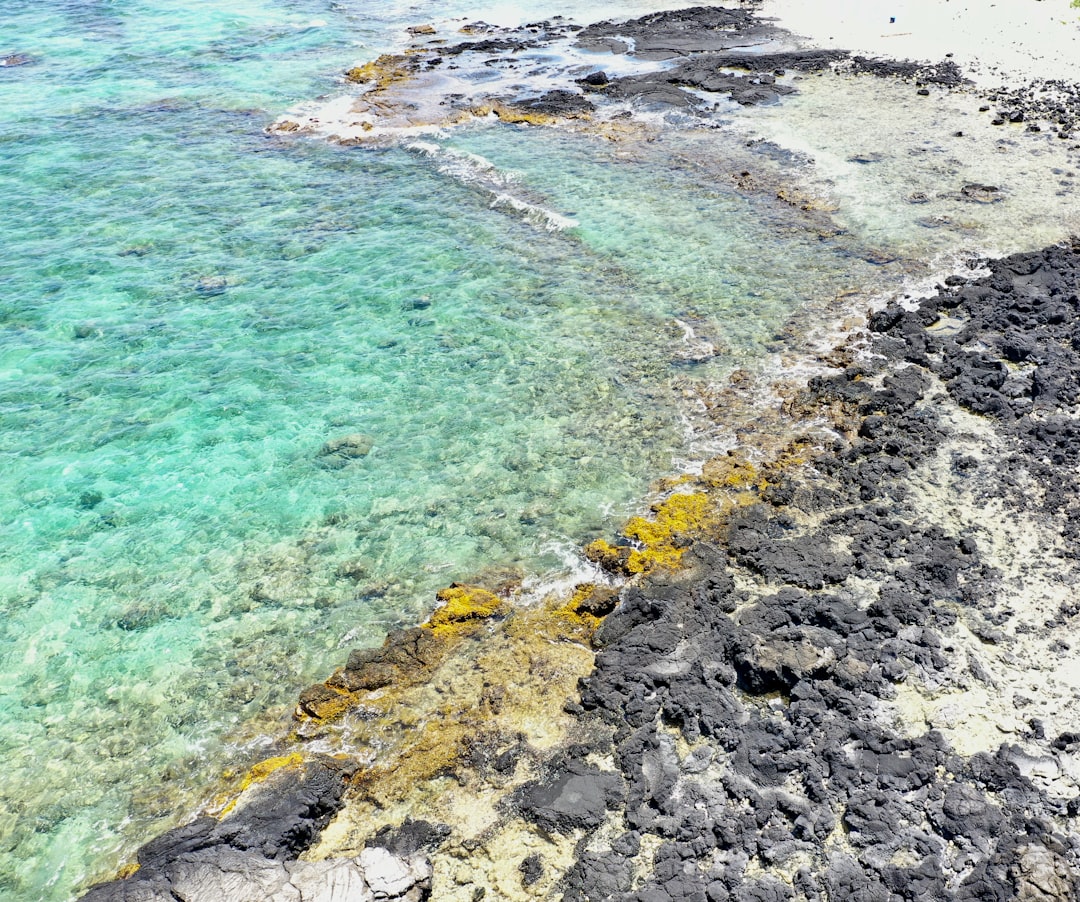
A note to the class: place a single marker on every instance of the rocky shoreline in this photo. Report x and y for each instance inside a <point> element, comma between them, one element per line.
<point>685,60</point>
<point>764,719</point>
<point>760,698</point>
<point>835,665</point>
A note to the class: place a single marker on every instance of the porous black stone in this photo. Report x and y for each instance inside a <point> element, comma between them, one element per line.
<point>782,685</point>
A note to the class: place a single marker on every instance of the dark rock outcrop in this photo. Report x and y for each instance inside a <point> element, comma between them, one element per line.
<point>778,689</point>
<point>663,35</point>
<point>252,853</point>
<point>577,796</point>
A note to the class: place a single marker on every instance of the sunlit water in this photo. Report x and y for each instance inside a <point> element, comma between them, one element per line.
<point>190,309</point>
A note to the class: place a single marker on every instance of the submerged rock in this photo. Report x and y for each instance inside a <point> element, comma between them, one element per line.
<point>211,286</point>
<point>982,194</point>
<point>340,452</point>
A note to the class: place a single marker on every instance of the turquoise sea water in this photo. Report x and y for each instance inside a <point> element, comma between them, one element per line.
<point>190,309</point>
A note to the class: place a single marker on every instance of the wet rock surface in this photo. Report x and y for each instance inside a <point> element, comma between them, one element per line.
<point>703,73</point>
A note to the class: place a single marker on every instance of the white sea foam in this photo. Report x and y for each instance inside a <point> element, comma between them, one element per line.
<point>469,168</point>
<point>573,570</point>
<point>537,215</point>
<point>480,173</point>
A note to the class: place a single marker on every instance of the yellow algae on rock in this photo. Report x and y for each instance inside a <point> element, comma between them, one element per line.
<point>584,611</point>
<point>450,747</point>
<point>612,558</point>
<point>660,541</point>
<point>373,676</point>
<point>733,472</point>
<point>473,703</point>
<point>463,605</point>
<point>263,769</point>
<point>520,115</point>
<point>677,515</point>
<point>388,69</point>
<point>726,483</point>
<point>517,115</point>
<point>256,774</point>
<point>322,702</point>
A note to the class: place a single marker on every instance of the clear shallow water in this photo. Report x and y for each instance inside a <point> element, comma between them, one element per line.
<point>190,309</point>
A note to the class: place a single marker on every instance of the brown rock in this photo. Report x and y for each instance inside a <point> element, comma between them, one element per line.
<point>320,702</point>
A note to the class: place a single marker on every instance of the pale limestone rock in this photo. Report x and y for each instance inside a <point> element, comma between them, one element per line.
<point>332,880</point>
<point>232,876</point>
<point>1042,876</point>
<point>390,876</point>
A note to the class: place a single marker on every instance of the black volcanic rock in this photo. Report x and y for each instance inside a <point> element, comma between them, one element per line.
<point>670,33</point>
<point>782,684</point>
<point>575,797</point>
<point>280,819</point>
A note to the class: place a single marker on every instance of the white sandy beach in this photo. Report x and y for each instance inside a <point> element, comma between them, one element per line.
<point>1008,41</point>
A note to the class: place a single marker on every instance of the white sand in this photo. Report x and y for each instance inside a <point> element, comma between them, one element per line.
<point>1002,42</point>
